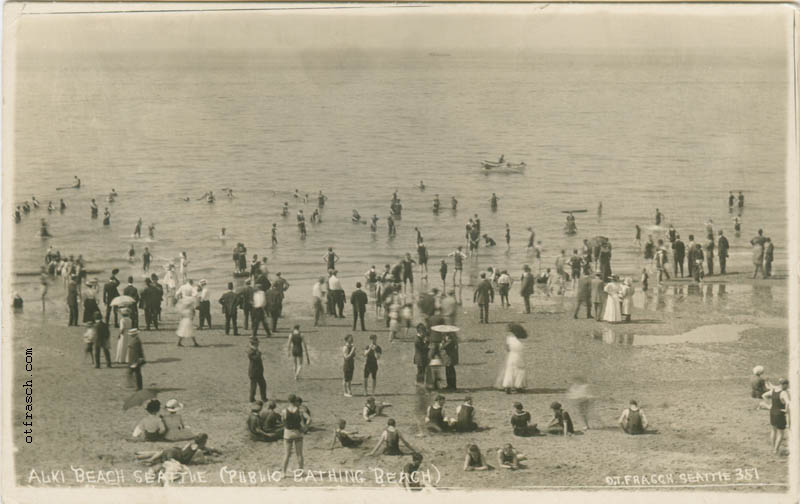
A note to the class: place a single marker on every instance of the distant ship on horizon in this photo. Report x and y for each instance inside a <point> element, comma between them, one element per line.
<point>439,54</point>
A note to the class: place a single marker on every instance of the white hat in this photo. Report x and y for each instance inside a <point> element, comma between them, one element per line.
<point>173,406</point>
<point>202,281</point>
<point>758,370</point>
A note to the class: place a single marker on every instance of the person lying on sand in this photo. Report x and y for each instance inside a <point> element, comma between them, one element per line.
<point>348,439</point>
<point>474,460</point>
<point>509,458</point>
<point>372,409</point>
<point>193,452</point>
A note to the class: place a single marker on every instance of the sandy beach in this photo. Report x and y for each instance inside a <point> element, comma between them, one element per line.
<point>695,394</point>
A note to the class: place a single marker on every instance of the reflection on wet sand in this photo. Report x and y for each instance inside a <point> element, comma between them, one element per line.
<point>671,298</point>
<point>717,333</point>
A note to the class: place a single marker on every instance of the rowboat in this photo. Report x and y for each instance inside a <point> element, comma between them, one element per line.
<point>492,166</point>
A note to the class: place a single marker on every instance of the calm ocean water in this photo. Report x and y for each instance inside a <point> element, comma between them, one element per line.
<point>673,132</point>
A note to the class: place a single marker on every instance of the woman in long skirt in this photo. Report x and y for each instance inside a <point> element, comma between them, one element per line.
<point>125,325</point>
<point>90,301</point>
<point>612,311</point>
<point>512,376</point>
<point>184,331</point>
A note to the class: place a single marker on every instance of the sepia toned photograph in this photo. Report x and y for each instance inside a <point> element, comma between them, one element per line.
<point>434,248</point>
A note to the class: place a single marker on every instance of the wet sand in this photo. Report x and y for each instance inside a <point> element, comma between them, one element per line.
<point>695,394</point>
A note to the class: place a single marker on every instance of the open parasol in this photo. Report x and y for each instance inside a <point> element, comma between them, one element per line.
<point>122,301</point>
<point>445,328</point>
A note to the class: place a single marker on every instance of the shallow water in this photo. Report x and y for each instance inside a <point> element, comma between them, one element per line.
<point>635,134</point>
<point>716,333</point>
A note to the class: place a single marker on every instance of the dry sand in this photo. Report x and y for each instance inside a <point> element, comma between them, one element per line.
<point>695,395</point>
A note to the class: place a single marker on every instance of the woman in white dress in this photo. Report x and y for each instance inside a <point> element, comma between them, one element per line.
<point>626,294</point>
<point>512,375</point>
<point>125,325</point>
<point>184,267</point>
<point>186,307</point>
<point>612,311</point>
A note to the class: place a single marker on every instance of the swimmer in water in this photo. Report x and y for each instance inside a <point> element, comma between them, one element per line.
<point>137,231</point>
<point>43,232</point>
<point>62,205</point>
<point>285,209</point>
<point>76,182</point>
<point>373,225</point>
<point>151,231</point>
<point>321,200</point>
<point>187,199</point>
<point>493,202</point>
<point>421,185</point>
<point>454,203</point>
<point>296,194</point>
<point>356,216</point>
<point>489,241</point>
<point>508,237</point>
<point>106,217</point>
<point>531,238</point>
<point>274,234</point>
<point>131,254</point>
<point>35,202</point>
<point>315,216</point>
<point>210,198</point>
<point>17,215</point>
<point>436,204</point>
<point>50,207</point>
<point>222,234</point>
<point>228,192</point>
<point>93,208</point>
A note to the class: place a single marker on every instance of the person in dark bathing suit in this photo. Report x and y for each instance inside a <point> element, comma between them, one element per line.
<point>390,440</point>
<point>348,439</point>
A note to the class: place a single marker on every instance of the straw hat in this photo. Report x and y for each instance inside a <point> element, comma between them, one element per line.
<point>758,370</point>
<point>202,281</point>
<point>173,406</point>
<point>133,331</point>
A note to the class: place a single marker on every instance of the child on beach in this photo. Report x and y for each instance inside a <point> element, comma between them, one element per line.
<point>349,356</point>
<point>474,460</point>
<point>509,458</point>
<point>520,422</point>
<point>373,409</point>
<point>633,420</point>
<point>348,439</point>
<point>561,422</point>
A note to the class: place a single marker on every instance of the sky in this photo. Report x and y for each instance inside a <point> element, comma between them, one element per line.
<point>546,27</point>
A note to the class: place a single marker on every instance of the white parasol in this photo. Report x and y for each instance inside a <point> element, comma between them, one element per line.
<point>122,301</point>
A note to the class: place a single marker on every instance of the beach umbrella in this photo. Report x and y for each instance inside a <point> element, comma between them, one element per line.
<point>444,328</point>
<point>518,331</point>
<point>122,301</point>
<point>138,398</point>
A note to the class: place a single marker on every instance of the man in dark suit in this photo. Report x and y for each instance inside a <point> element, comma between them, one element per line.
<point>160,289</point>
<point>421,353</point>
<point>584,296</point>
<point>597,287</point>
<point>274,304</point>
<point>359,301</point>
<point>230,302</point>
<point>678,253</point>
<point>110,292</point>
<point>245,295</point>
<point>133,292</point>
<point>526,291</point>
<point>72,300</point>
<point>282,286</point>
<point>484,294</point>
<point>722,250</point>
<point>150,302</point>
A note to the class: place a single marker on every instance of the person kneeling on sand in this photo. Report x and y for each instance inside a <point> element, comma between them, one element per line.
<point>372,409</point>
<point>474,460</point>
<point>520,422</point>
<point>392,438</point>
<point>561,422</point>
<point>510,458</point>
<point>348,439</point>
<point>435,419</point>
<point>633,420</point>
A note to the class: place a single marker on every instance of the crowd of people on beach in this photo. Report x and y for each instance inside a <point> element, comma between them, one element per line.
<point>398,303</point>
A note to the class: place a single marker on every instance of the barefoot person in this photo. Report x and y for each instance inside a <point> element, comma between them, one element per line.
<point>296,346</point>
<point>373,353</point>
<point>778,413</point>
<point>474,460</point>
<point>372,409</point>
<point>294,428</point>
<point>348,439</point>
<point>633,420</point>
<point>509,458</point>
